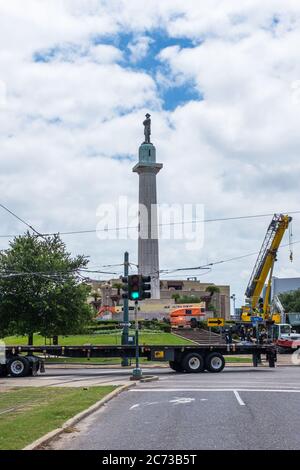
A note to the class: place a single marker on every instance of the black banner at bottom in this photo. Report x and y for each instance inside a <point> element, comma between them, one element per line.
<point>138,459</point>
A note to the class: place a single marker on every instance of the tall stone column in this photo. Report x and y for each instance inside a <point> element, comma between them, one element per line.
<point>147,169</point>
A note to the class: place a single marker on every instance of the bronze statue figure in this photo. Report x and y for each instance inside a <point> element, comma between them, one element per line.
<point>147,128</point>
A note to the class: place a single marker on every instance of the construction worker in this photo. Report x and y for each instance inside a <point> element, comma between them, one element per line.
<point>242,334</point>
<point>248,336</point>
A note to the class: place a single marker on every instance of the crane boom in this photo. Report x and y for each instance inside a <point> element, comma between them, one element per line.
<point>265,261</point>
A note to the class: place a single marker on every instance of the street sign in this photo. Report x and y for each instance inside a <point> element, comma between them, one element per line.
<point>256,319</point>
<point>215,322</point>
<point>125,324</point>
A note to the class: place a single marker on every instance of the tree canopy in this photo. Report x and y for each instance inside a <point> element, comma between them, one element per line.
<point>40,288</point>
<point>212,290</point>
<point>291,301</point>
<point>186,299</point>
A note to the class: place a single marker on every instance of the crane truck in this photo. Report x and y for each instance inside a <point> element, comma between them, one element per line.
<point>270,312</point>
<point>256,305</point>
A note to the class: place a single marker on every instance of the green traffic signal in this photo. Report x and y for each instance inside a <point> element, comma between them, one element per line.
<point>138,289</point>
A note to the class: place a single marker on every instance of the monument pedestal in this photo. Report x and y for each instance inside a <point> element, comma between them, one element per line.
<point>148,258</point>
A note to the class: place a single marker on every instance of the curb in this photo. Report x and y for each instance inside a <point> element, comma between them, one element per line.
<point>83,414</point>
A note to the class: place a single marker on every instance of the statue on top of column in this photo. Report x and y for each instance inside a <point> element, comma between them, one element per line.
<point>147,128</point>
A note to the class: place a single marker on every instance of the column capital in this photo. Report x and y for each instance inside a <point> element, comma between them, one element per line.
<point>147,168</point>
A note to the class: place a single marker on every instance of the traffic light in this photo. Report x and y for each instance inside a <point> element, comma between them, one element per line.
<point>124,279</point>
<point>139,287</point>
<point>134,287</point>
<point>145,287</point>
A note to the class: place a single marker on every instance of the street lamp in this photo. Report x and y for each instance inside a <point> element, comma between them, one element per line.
<point>233,299</point>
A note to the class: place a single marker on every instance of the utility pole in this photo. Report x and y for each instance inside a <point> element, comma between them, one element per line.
<point>233,299</point>
<point>125,361</point>
<point>137,372</point>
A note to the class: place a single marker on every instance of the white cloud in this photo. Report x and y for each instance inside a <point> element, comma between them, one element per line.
<point>139,48</point>
<point>236,151</point>
<point>105,53</point>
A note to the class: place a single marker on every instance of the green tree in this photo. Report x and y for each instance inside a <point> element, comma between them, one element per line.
<point>212,290</point>
<point>176,297</point>
<point>187,299</point>
<point>291,301</point>
<point>118,286</point>
<point>40,288</point>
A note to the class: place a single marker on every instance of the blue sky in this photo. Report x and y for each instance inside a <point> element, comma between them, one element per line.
<point>221,81</point>
<point>171,95</point>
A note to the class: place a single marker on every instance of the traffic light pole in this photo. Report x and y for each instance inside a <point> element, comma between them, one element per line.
<point>125,361</point>
<point>137,372</point>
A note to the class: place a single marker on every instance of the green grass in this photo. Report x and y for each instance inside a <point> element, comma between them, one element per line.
<point>232,359</point>
<point>107,339</point>
<point>27,413</point>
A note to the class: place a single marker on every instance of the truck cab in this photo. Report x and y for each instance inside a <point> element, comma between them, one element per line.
<point>285,338</point>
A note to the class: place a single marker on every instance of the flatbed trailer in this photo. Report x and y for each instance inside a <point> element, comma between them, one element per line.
<point>21,361</point>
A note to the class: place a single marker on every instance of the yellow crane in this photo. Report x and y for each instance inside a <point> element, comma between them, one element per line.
<point>263,269</point>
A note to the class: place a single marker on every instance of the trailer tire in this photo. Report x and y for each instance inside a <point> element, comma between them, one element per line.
<point>177,366</point>
<point>18,366</point>
<point>193,363</point>
<point>215,362</point>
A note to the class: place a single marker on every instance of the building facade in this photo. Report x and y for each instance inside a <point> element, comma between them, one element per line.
<point>287,284</point>
<point>171,291</point>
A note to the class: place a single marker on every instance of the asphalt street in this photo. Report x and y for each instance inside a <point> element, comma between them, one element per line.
<point>237,409</point>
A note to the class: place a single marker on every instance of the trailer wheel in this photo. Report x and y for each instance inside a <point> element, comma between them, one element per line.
<point>193,363</point>
<point>18,366</point>
<point>177,366</point>
<point>215,362</point>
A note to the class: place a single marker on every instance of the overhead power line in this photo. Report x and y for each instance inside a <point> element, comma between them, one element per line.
<point>209,265</point>
<point>21,220</point>
<point>130,227</point>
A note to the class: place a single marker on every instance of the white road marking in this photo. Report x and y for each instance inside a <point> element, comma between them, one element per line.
<point>180,401</point>
<point>237,396</point>
<point>203,399</point>
<point>214,390</point>
<point>134,406</point>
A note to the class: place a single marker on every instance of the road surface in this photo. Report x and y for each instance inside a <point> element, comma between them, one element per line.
<point>237,409</point>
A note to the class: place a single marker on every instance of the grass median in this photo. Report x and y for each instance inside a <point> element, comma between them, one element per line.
<point>27,413</point>
<point>155,338</point>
